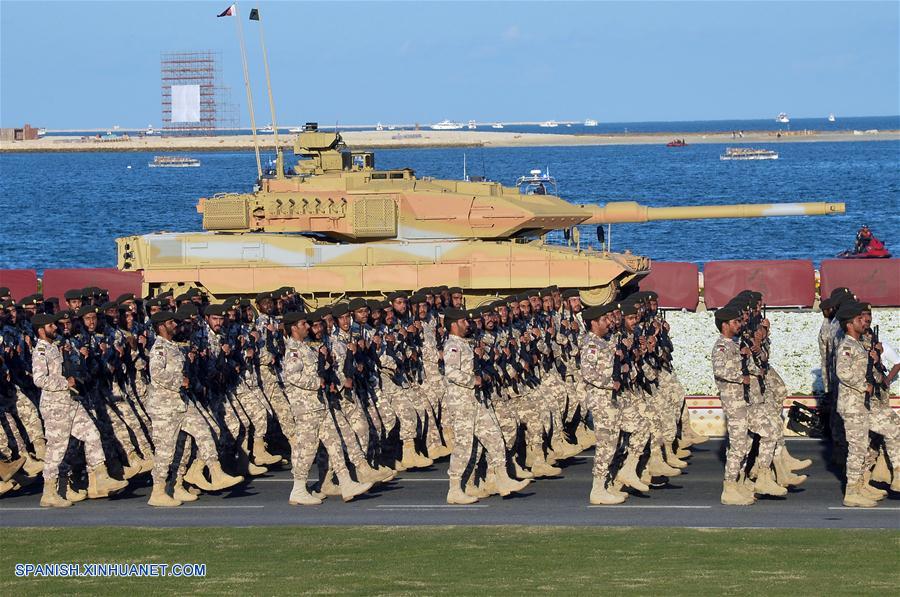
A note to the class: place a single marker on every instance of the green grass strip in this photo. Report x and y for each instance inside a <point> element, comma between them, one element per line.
<point>465,560</point>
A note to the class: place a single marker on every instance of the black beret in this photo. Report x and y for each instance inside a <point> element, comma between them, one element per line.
<point>8,304</point>
<point>4,291</point>
<point>592,313</point>
<point>570,293</point>
<point>88,309</point>
<point>108,305</point>
<point>186,311</point>
<point>849,310</point>
<point>167,294</point>
<point>545,292</point>
<point>841,291</point>
<point>455,290</point>
<point>340,309</point>
<point>216,310</point>
<point>263,296</point>
<point>292,317</point>
<point>73,294</point>
<point>162,317</point>
<point>317,315</point>
<point>128,296</point>
<point>513,298</point>
<point>183,297</point>
<point>396,295</point>
<point>727,314</point>
<point>418,297</point>
<point>42,319</point>
<point>357,303</point>
<point>64,314</point>
<point>529,294</point>
<point>629,308</point>
<point>826,304</point>
<point>33,299</point>
<point>651,296</point>
<point>192,292</point>
<point>866,307</point>
<point>442,288</point>
<point>451,315</point>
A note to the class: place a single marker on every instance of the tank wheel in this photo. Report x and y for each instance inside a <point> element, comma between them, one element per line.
<point>598,296</point>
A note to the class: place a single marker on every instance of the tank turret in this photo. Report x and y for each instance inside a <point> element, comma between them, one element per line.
<point>336,226</point>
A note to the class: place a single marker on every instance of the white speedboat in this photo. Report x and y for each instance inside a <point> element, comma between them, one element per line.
<point>446,125</point>
<point>174,161</point>
<point>537,183</point>
<point>472,125</point>
<point>782,118</point>
<point>379,127</point>
<point>831,117</point>
<point>748,153</point>
<point>150,130</point>
<point>497,125</point>
<point>295,129</point>
<point>42,132</point>
<point>590,122</point>
<point>549,124</point>
<point>266,129</point>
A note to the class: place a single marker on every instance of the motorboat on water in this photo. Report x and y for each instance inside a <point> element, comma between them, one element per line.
<point>590,122</point>
<point>782,118</point>
<point>472,125</point>
<point>446,125</point>
<point>150,130</point>
<point>174,161</point>
<point>42,132</point>
<point>549,124</point>
<point>295,129</point>
<point>831,117</point>
<point>866,247</point>
<point>266,129</point>
<point>748,153</point>
<point>676,143</point>
<point>379,127</point>
<point>537,183</point>
<point>497,125</point>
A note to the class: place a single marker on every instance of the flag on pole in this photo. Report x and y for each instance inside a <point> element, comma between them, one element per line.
<point>228,12</point>
<point>254,14</point>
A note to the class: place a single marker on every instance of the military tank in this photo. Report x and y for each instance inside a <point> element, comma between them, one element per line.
<point>337,227</point>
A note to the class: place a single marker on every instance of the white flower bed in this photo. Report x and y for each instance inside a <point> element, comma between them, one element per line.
<point>795,348</point>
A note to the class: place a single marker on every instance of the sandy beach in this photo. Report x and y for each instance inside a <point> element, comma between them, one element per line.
<point>430,138</point>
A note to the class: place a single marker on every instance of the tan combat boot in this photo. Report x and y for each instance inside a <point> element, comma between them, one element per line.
<point>507,485</point>
<point>792,463</point>
<point>628,474</point>
<point>261,454</point>
<point>101,485</point>
<point>586,437</point>
<point>783,475</point>
<point>881,473</point>
<point>542,469</point>
<point>300,495</point>
<point>895,484</point>
<point>436,451</point>
<point>746,485</point>
<point>180,492</point>
<point>7,486</point>
<point>477,490</point>
<point>766,485</point>
<point>691,437</point>
<point>520,472</point>
<point>732,495</point>
<point>40,447</point>
<point>854,498</point>
<point>328,486</point>
<point>350,488</point>
<point>74,495</point>
<point>657,467</point>
<point>194,476</point>
<point>681,452</point>
<point>50,497</point>
<point>160,499</point>
<point>244,464</point>
<point>601,497</point>
<point>615,488</point>
<point>412,459</point>
<point>219,479</point>
<point>8,468</point>
<point>672,460</point>
<point>562,449</point>
<point>457,496</point>
<point>367,474</point>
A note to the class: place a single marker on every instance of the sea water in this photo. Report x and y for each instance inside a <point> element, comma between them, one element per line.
<point>66,209</point>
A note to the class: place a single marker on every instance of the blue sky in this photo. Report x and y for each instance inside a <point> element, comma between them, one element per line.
<point>95,64</point>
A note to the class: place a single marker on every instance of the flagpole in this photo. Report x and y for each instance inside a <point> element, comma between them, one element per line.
<point>262,42</point>
<point>240,29</point>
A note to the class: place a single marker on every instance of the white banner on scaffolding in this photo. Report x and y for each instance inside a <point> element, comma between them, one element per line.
<point>185,103</point>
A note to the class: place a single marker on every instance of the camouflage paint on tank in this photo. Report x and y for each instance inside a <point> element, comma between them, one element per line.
<point>339,227</point>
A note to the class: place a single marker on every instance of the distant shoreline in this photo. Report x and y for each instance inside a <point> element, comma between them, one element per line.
<point>434,139</point>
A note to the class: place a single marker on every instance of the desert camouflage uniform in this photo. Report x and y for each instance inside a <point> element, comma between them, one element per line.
<point>726,363</point>
<point>597,357</point>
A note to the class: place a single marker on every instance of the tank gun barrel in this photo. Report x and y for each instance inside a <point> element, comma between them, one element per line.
<point>622,212</point>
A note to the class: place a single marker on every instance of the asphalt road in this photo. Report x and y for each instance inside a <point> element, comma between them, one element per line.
<point>418,498</point>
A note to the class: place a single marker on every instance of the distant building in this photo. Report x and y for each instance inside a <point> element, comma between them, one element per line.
<point>26,133</point>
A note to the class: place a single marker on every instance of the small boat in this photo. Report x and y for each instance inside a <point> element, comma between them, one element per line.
<point>42,132</point>
<point>676,143</point>
<point>549,124</point>
<point>747,153</point>
<point>472,125</point>
<point>391,127</point>
<point>266,129</point>
<point>831,117</point>
<point>379,127</point>
<point>590,122</point>
<point>150,130</point>
<point>537,183</point>
<point>295,129</point>
<point>446,125</point>
<point>866,247</point>
<point>174,161</point>
<point>782,118</point>
<point>497,125</point>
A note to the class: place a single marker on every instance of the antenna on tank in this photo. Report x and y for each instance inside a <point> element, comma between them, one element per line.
<point>279,158</point>
<point>232,11</point>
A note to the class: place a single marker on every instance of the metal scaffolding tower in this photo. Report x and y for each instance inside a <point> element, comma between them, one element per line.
<point>200,68</point>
